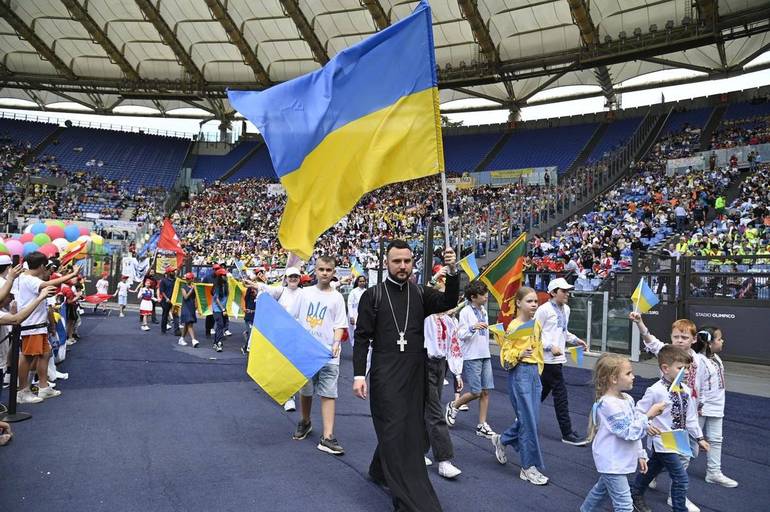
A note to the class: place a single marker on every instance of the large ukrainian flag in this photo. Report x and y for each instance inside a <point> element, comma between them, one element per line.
<point>283,356</point>
<point>369,118</point>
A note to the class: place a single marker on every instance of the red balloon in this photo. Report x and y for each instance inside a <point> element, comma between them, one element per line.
<point>26,237</point>
<point>55,232</point>
<point>49,250</point>
<point>84,231</point>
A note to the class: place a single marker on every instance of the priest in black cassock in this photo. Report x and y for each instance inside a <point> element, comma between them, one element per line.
<point>391,316</point>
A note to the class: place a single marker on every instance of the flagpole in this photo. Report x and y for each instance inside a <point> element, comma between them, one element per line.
<point>446,210</point>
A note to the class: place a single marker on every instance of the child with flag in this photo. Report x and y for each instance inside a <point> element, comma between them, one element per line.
<point>219,306</point>
<point>146,306</point>
<point>521,354</point>
<point>616,428</point>
<point>668,431</point>
<point>188,317</point>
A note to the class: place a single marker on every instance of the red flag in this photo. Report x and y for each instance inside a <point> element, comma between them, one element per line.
<point>97,298</point>
<point>170,242</point>
<point>74,252</point>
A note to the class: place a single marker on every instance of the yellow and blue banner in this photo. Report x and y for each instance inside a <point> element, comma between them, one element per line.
<point>678,441</point>
<point>644,298</point>
<point>469,266</point>
<point>576,354</point>
<point>355,268</point>
<point>524,330</point>
<point>497,330</point>
<point>283,356</point>
<point>676,384</point>
<point>368,118</point>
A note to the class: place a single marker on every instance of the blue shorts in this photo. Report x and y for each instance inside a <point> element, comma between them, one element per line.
<point>323,383</point>
<point>477,375</point>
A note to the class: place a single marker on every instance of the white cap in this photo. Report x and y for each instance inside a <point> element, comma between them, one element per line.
<point>5,259</point>
<point>292,271</point>
<point>559,283</point>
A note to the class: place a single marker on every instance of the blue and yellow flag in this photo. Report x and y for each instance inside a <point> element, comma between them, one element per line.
<point>498,330</point>
<point>524,330</point>
<point>643,297</point>
<point>469,266</point>
<point>355,268</point>
<point>678,441</point>
<point>283,356</point>
<point>576,354</point>
<point>676,384</point>
<point>368,118</point>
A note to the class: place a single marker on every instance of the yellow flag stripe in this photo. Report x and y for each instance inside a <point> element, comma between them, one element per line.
<point>271,370</point>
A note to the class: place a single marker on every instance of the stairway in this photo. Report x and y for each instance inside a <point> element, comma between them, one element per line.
<point>580,160</point>
<point>240,163</point>
<point>711,125</point>
<point>493,152</point>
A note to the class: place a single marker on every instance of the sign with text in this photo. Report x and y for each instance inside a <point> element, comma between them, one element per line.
<point>743,328</point>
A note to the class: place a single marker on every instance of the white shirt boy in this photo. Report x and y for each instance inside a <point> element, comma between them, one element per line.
<point>320,313</point>
<point>475,342</point>
<point>554,333</point>
<point>681,412</point>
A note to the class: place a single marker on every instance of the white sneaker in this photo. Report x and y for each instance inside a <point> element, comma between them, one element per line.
<point>464,407</point>
<point>121,315</point>
<point>228,333</point>
<point>533,476</point>
<point>182,342</point>
<point>499,449</point>
<point>446,382</point>
<point>290,405</point>
<point>62,375</point>
<point>51,384</point>
<point>169,326</point>
<point>48,392</point>
<point>212,331</point>
<point>450,414</point>
<point>720,479</point>
<point>27,397</point>
<point>195,343</point>
<point>71,341</point>
<point>145,327</point>
<point>428,462</point>
<point>691,507</point>
<point>653,483</point>
<point>485,431</point>
<point>448,470</point>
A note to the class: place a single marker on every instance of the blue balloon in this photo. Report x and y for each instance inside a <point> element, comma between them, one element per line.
<point>28,248</point>
<point>71,232</point>
<point>38,227</point>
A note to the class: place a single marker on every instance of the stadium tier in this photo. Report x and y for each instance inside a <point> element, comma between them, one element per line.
<point>25,132</point>
<point>258,165</point>
<point>543,147</point>
<point>614,137</point>
<point>212,167</point>
<point>137,159</point>
<point>746,110</point>
<point>462,153</point>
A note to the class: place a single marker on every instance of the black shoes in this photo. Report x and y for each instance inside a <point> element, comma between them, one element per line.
<point>303,429</point>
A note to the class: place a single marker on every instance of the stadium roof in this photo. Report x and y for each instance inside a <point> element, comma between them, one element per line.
<point>164,55</point>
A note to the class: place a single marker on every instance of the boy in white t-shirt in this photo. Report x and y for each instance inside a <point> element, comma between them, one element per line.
<point>321,310</point>
<point>122,294</point>
<point>35,349</point>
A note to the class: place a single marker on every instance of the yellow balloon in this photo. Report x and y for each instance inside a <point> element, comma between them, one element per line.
<point>97,239</point>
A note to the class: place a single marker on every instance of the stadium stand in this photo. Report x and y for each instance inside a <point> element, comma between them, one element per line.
<point>211,167</point>
<point>746,123</point>
<point>25,132</point>
<point>615,137</point>
<point>258,165</point>
<point>463,153</point>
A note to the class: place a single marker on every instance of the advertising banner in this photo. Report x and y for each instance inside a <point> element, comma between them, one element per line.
<point>743,328</point>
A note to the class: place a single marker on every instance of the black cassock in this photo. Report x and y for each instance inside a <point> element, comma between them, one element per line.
<point>397,386</point>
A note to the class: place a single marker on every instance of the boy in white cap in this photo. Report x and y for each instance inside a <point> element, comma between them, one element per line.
<point>553,316</point>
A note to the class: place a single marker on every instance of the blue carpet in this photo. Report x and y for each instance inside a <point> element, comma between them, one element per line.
<point>146,425</point>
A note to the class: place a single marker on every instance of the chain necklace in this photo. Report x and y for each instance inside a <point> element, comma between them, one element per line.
<point>401,340</point>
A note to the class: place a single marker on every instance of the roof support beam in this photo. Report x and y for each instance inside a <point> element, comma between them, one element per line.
<point>480,95</point>
<point>80,14</point>
<point>590,37</point>
<point>237,38</point>
<point>152,15</point>
<point>470,11</point>
<point>379,16</point>
<point>306,30</point>
<point>29,35</point>
<point>751,57</point>
<point>677,64</point>
<point>542,87</point>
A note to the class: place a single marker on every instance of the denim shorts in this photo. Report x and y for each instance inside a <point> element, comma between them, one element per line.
<point>323,383</point>
<point>477,375</point>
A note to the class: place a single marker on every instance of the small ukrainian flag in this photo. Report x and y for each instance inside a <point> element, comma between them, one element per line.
<point>524,330</point>
<point>576,354</point>
<point>469,266</point>
<point>676,384</point>
<point>678,441</point>
<point>643,297</point>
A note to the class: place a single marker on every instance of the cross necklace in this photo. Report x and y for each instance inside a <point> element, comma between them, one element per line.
<point>401,340</point>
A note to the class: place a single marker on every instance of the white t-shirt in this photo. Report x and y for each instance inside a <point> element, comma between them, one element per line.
<point>123,287</point>
<point>4,342</point>
<point>102,285</point>
<point>320,312</point>
<point>475,344</point>
<point>617,446</point>
<point>554,334</point>
<point>26,289</point>
<point>354,297</point>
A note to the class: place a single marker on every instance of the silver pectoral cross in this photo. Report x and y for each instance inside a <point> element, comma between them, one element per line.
<point>401,341</point>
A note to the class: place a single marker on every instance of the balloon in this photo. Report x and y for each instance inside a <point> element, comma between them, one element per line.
<point>61,243</point>
<point>26,237</point>
<point>84,231</point>
<point>49,249</point>
<point>41,239</point>
<point>71,232</point>
<point>29,247</point>
<point>55,232</point>
<point>15,247</point>
<point>38,227</point>
<point>4,249</point>
<point>55,222</point>
<point>96,239</point>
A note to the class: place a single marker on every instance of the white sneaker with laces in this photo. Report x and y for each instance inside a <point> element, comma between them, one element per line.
<point>169,326</point>
<point>27,397</point>
<point>533,476</point>
<point>450,414</point>
<point>48,392</point>
<point>62,375</point>
<point>195,343</point>
<point>212,331</point>
<point>182,342</point>
<point>691,507</point>
<point>464,407</point>
<point>71,341</point>
<point>484,430</point>
<point>290,405</point>
<point>497,443</point>
<point>228,333</point>
<point>121,315</point>
<point>720,479</point>
<point>428,462</point>
<point>448,470</point>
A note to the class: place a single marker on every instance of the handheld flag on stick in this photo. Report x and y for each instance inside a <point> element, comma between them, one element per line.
<point>643,297</point>
<point>236,299</point>
<point>676,384</point>
<point>320,128</point>
<point>469,266</point>
<point>71,255</point>
<point>355,268</point>
<point>504,276</point>
<point>176,295</point>
<point>677,440</point>
<point>524,330</point>
<point>576,354</point>
<point>497,330</point>
<point>282,354</point>
<point>204,298</point>
<point>169,242</point>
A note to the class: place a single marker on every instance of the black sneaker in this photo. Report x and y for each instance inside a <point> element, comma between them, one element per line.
<point>574,439</point>
<point>330,446</point>
<point>303,429</point>
<point>244,350</point>
<point>218,346</point>
<point>639,504</point>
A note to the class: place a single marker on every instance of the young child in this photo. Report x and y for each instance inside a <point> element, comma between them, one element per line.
<point>188,315</point>
<point>477,362</point>
<point>145,306</point>
<point>711,400</point>
<point>681,413</point>
<point>617,429</point>
<point>522,356</point>
<point>122,294</point>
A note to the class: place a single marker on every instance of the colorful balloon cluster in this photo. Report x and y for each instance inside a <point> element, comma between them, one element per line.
<point>52,237</point>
